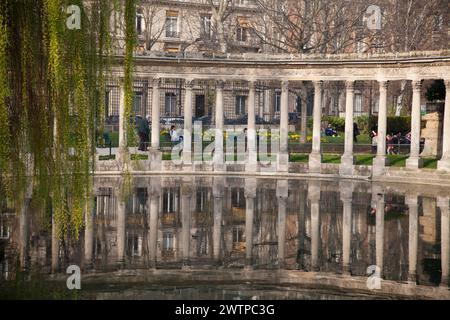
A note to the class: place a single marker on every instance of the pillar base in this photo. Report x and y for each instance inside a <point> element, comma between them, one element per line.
<point>283,162</point>
<point>346,167</point>
<point>346,270</point>
<point>412,278</point>
<point>444,165</point>
<point>444,282</point>
<point>187,158</point>
<point>379,165</point>
<point>315,162</point>
<point>414,163</point>
<point>155,159</point>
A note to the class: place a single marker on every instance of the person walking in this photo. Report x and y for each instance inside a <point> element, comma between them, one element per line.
<point>356,132</point>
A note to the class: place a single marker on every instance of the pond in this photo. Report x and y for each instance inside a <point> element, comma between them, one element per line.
<point>231,237</point>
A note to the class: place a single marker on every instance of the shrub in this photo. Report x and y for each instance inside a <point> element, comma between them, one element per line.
<point>394,124</point>
<point>337,123</point>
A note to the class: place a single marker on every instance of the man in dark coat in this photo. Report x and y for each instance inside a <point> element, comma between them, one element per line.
<point>143,131</point>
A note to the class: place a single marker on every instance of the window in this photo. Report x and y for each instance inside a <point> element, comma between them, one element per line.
<point>358,103</point>
<point>241,34</point>
<point>298,104</point>
<point>4,230</point>
<point>137,103</point>
<point>135,245</point>
<point>240,105</point>
<point>167,241</point>
<point>205,27</point>
<point>238,234</point>
<point>139,18</point>
<point>172,24</point>
<point>107,96</point>
<point>277,102</point>
<point>170,103</point>
<point>170,200</point>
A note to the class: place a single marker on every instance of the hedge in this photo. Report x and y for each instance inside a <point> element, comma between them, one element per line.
<point>394,124</point>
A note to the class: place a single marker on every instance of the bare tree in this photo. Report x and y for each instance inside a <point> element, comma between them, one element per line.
<point>221,10</point>
<point>323,26</point>
<point>153,21</point>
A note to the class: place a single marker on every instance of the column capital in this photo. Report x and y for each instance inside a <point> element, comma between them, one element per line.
<point>285,85</point>
<point>220,84</point>
<point>156,82</point>
<point>189,83</point>
<point>443,202</point>
<point>411,200</point>
<point>383,84</point>
<point>350,85</point>
<point>417,85</point>
<point>318,85</point>
<point>251,84</point>
<point>447,83</point>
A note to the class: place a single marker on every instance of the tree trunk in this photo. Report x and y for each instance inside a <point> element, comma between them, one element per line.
<point>399,106</point>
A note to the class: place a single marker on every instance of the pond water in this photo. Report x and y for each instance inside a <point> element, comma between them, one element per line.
<point>186,237</point>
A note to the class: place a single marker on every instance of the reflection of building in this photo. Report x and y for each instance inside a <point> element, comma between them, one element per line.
<point>293,224</point>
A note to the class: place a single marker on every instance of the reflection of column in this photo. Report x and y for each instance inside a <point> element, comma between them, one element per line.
<point>154,197</point>
<point>250,194</point>
<point>314,198</point>
<point>444,163</point>
<point>120,228</point>
<point>251,131</point>
<point>218,144</point>
<point>379,231</point>
<point>187,135</point>
<point>414,161</point>
<point>443,204</point>
<point>283,156</point>
<point>411,201</point>
<point>346,167</point>
<point>282,195</point>
<point>186,196</point>
<point>380,160</point>
<point>218,206</point>
<point>24,234</point>
<point>346,190</point>
<point>315,158</point>
<point>55,245</point>
<point>88,235</point>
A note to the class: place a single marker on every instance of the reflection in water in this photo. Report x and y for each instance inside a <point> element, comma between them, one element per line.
<point>227,223</point>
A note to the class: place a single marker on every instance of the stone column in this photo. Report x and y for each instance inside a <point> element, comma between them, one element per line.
<point>315,158</point>
<point>24,235</point>
<point>283,155</point>
<point>122,132</point>
<point>282,196</point>
<point>154,197</point>
<point>304,121</point>
<point>314,198</point>
<point>444,163</point>
<point>121,234</point>
<point>155,155</point>
<point>443,203</point>
<point>88,235</point>
<point>186,196</point>
<point>411,201</point>
<point>346,191</point>
<point>187,134</point>
<point>219,164</point>
<point>250,194</point>
<point>218,184</point>
<point>55,246</point>
<point>414,161</point>
<point>379,232</point>
<point>251,164</point>
<point>346,167</point>
<point>379,162</point>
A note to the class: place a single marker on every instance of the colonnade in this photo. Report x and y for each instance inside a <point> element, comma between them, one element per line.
<point>346,167</point>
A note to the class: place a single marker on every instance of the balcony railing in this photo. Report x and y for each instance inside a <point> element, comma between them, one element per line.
<point>172,34</point>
